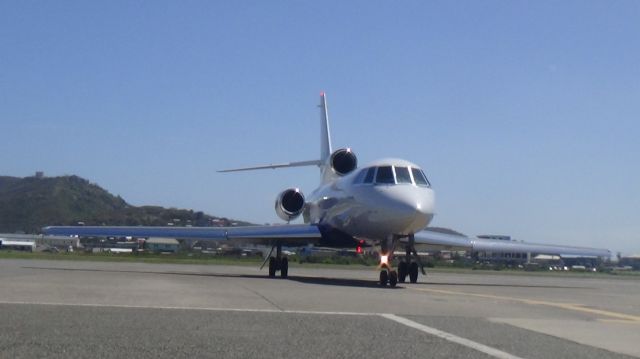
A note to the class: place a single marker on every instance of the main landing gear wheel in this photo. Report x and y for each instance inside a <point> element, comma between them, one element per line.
<point>388,277</point>
<point>272,267</point>
<point>393,278</point>
<point>413,272</point>
<point>284,267</point>
<point>403,271</point>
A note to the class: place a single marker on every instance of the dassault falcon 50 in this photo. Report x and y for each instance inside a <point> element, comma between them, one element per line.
<point>385,204</point>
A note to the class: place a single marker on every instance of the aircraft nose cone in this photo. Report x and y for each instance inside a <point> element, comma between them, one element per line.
<point>424,204</point>
<point>413,207</point>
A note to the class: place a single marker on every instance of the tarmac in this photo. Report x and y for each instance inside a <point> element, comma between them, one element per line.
<point>73,309</point>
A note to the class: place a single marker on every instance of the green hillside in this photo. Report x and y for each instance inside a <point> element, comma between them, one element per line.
<point>27,204</point>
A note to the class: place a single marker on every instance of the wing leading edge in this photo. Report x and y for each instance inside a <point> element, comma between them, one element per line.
<point>291,235</point>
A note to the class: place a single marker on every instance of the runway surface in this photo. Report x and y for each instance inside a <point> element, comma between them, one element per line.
<point>60,309</point>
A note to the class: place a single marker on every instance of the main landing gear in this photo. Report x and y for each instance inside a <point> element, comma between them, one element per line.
<point>408,267</point>
<point>277,263</point>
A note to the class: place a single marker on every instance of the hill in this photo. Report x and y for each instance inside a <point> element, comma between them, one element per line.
<point>27,204</point>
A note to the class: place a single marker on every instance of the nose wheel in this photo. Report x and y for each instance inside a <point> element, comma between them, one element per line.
<point>388,276</point>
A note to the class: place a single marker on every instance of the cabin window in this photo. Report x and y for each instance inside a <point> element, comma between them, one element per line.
<point>419,177</point>
<point>370,173</point>
<point>385,175</point>
<point>402,175</point>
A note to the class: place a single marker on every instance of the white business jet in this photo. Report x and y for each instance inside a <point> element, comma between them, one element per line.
<point>385,204</point>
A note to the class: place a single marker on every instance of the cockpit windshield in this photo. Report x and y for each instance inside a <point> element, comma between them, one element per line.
<point>391,175</point>
<point>420,178</point>
<point>402,175</point>
<point>385,175</point>
<point>370,173</point>
<point>360,177</point>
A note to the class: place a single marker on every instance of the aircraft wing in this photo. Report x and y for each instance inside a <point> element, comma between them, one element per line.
<point>488,245</point>
<point>430,240</point>
<point>426,240</point>
<point>289,235</point>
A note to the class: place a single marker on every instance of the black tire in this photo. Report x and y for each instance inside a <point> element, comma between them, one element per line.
<point>384,278</point>
<point>403,270</point>
<point>393,279</point>
<point>272,267</point>
<point>284,267</point>
<point>413,272</point>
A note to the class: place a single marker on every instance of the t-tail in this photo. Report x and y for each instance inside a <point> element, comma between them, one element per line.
<point>325,134</point>
<point>332,164</point>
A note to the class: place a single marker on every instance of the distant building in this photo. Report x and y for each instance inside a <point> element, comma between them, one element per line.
<point>27,246</point>
<point>501,257</point>
<point>162,245</point>
<point>632,261</point>
<point>58,241</point>
<point>39,174</point>
<point>495,237</point>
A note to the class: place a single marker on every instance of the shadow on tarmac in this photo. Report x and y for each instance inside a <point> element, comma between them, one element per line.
<point>343,282</point>
<point>308,280</point>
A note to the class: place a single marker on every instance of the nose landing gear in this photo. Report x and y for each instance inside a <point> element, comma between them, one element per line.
<point>406,267</point>
<point>387,274</point>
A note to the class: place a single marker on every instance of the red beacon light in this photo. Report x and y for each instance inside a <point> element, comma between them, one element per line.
<point>359,247</point>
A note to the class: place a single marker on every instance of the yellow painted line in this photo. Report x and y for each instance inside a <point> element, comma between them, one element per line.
<point>567,306</point>
<point>619,321</point>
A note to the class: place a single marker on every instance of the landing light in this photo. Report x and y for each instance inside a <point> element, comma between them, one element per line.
<point>384,260</point>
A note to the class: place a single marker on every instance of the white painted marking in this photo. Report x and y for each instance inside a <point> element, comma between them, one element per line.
<point>429,330</point>
<point>451,337</point>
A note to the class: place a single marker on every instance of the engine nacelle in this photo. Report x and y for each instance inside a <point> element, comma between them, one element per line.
<point>289,204</point>
<point>343,161</point>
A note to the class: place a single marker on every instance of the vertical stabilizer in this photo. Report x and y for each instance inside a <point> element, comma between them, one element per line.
<point>325,135</point>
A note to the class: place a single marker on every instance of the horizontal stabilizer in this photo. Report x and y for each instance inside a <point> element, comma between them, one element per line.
<point>276,165</point>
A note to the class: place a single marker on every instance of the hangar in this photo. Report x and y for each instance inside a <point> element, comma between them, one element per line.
<point>27,246</point>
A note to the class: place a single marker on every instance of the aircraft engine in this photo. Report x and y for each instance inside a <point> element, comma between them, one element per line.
<point>289,204</point>
<point>344,161</point>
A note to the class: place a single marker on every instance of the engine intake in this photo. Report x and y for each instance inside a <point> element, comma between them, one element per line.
<point>289,204</point>
<point>344,161</point>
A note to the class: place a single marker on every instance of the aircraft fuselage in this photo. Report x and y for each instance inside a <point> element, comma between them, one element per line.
<point>371,211</point>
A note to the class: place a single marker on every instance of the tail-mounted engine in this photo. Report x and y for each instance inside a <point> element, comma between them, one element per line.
<point>343,161</point>
<point>289,204</point>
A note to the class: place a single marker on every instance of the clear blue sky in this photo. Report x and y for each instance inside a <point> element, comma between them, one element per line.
<point>525,115</point>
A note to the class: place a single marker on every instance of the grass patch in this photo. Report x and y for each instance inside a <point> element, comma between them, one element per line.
<point>179,258</point>
<point>326,262</point>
